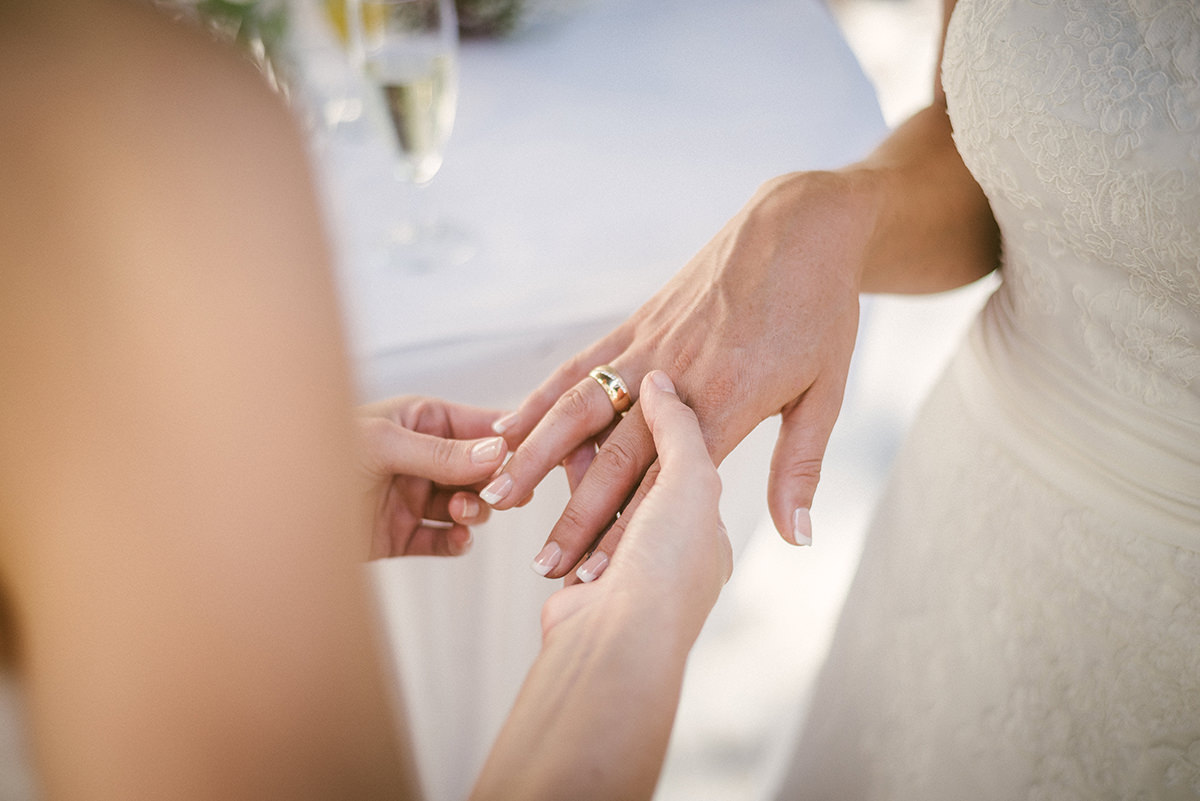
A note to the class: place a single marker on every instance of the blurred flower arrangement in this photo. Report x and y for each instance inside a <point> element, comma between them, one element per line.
<point>247,21</point>
<point>480,18</point>
<point>254,23</point>
<point>257,27</point>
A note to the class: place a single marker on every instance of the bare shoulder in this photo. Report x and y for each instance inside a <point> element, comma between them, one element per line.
<point>117,65</point>
<point>138,157</point>
<point>159,227</point>
<point>113,117</point>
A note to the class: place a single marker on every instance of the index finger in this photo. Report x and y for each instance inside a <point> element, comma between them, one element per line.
<point>579,414</point>
<point>434,416</point>
<point>389,448</point>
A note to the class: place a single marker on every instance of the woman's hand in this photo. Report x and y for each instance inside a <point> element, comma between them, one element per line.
<point>762,321</point>
<point>601,696</point>
<point>675,552</point>
<point>422,460</point>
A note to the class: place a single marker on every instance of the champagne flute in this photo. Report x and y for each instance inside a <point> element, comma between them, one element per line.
<point>409,49</point>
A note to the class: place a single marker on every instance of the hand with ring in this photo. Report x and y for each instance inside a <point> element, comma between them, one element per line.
<point>761,321</point>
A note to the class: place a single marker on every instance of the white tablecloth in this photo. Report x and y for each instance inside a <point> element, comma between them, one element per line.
<point>594,152</point>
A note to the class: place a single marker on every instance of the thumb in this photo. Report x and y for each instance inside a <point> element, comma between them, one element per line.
<point>676,431</point>
<point>392,449</point>
<point>678,524</point>
<point>796,463</point>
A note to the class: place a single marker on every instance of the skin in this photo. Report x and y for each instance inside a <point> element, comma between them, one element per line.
<point>177,463</point>
<point>186,495</point>
<point>432,452</point>
<point>598,705</point>
<point>761,321</point>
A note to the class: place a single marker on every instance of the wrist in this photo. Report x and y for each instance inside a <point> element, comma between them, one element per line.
<point>599,701</point>
<point>664,625</point>
<point>833,211</point>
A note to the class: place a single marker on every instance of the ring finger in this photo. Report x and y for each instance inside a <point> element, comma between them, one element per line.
<point>580,413</point>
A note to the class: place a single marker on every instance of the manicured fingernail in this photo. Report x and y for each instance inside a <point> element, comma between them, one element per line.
<point>547,559</point>
<point>495,492</point>
<point>470,509</point>
<point>593,567</point>
<point>801,527</point>
<point>486,450</point>
<point>504,423</point>
<point>662,381</point>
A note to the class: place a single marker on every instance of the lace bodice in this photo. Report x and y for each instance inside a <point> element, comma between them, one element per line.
<point>1081,121</point>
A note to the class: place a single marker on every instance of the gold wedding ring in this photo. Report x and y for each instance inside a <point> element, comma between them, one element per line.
<point>613,386</point>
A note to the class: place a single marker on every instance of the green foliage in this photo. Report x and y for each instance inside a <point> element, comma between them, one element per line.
<point>248,22</point>
<point>487,17</point>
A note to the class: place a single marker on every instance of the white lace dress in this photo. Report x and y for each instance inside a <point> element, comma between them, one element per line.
<point>1025,623</point>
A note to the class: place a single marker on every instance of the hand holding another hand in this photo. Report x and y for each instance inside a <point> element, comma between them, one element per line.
<point>675,553</point>
<point>601,696</point>
<point>761,321</point>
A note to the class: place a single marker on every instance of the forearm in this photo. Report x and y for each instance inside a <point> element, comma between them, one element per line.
<point>909,218</point>
<point>595,713</point>
<point>934,228</point>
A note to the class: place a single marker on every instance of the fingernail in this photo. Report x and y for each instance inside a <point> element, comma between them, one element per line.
<point>547,559</point>
<point>487,450</point>
<point>495,492</point>
<point>801,527</point>
<point>470,509</point>
<point>593,567</point>
<point>662,381</point>
<point>504,423</point>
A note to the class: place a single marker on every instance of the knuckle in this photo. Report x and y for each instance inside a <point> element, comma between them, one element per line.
<point>574,527</point>
<point>682,362</point>
<point>807,469</point>
<point>537,454</point>
<point>445,453</point>
<point>573,519</point>
<point>574,405</point>
<point>566,374</point>
<point>616,458</point>
<point>428,417</point>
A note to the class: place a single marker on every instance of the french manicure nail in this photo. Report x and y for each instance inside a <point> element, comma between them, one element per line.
<point>504,423</point>
<point>593,567</point>
<point>801,527</point>
<point>486,450</point>
<point>547,559</point>
<point>663,381</point>
<point>470,508</point>
<point>495,492</point>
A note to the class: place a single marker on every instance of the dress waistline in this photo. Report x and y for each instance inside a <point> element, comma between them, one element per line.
<point>1131,463</point>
